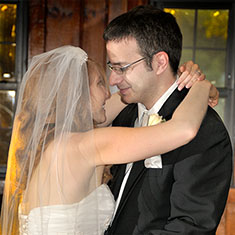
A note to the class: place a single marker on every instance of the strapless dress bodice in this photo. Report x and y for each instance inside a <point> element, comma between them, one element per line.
<point>90,216</point>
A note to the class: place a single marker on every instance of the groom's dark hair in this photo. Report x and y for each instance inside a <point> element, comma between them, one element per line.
<point>153,29</point>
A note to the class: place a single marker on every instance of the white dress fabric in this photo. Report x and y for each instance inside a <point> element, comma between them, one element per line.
<point>65,219</point>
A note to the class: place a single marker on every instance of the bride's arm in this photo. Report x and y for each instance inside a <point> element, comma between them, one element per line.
<point>121,145</point>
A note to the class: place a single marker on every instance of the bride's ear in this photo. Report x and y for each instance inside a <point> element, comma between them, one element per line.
<point>160,62</point>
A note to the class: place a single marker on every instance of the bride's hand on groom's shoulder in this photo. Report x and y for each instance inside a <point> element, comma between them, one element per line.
<point>188,74</point>
<point>213,96</point>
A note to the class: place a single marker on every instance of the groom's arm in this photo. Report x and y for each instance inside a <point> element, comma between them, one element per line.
<point>202,176</point>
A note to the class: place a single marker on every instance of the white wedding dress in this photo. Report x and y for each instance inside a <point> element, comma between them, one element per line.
<point>82,218</point>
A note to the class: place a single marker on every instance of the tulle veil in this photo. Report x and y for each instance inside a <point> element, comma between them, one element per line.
<point>53,102</point>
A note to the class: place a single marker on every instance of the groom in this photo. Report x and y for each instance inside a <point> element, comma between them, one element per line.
<point>183,191</point>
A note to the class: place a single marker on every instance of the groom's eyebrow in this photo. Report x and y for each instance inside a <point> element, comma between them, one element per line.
<point>117,63</point>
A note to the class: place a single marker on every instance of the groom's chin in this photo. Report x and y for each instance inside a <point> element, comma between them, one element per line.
<point>124,100</point>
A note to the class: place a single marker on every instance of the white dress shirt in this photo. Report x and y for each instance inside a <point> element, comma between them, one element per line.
<point>141,110</point>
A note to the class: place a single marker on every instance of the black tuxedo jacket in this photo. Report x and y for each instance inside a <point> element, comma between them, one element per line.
<point>186,196</point>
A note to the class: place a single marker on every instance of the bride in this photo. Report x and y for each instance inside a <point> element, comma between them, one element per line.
<point>57,155</point>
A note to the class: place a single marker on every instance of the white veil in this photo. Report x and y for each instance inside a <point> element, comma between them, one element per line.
<point>54,102</point>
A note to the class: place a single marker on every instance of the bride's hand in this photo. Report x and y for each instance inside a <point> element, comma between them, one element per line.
<point>189,73</point>
<point>213,96</point>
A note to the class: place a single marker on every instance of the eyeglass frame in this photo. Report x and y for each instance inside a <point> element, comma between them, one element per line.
<point>122,69</point>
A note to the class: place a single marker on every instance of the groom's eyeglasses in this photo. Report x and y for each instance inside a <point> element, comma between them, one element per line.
<point>120,70</point>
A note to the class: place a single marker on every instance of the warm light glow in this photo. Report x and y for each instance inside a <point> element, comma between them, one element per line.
<point>6,75</point>
<point>13,31</point>
<point>4,8</point>
<point>10,54</point>
<point>11,93</point>
<point>216,13</point>
<point>168,10</point>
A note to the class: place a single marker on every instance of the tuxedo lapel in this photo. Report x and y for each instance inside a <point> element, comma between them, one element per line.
<point>137,171</point>
<point>118,173</point>
<point>171,103</point>
<point>126,118</point>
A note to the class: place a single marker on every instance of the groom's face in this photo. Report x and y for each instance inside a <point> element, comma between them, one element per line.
<point>136,82</point>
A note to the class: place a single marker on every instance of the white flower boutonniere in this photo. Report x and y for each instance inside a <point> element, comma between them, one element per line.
<point>154,119</point>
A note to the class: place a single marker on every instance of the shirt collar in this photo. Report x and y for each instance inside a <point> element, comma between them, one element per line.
<point>157,106</point>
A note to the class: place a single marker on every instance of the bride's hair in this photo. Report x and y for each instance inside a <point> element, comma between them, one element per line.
<point>96,68</point>
<point>92,65</point>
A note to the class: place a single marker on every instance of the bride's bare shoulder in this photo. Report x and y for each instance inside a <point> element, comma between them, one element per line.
<point>75,146</point>
<point>68,142</point>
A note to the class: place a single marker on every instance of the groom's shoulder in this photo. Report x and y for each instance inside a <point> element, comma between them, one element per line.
<point>213,130</point>
<point>126,116</point>
<point>212,119</point>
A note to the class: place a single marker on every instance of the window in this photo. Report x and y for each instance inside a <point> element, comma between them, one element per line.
<point>205,34</point>
<point>208,30</point>
<point>13,50</point>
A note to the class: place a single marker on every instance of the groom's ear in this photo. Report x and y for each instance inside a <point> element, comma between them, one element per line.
<point>160,62</point>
